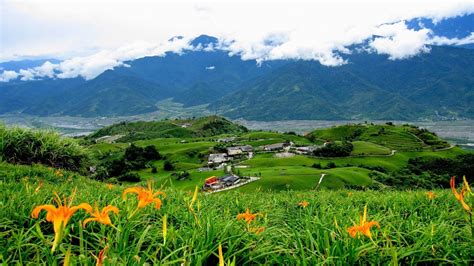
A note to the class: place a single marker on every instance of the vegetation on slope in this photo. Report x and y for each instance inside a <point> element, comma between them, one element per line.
<point>396,137</point>
<point>182,128</point>
<point>25,146</point>
<point>414,229</point>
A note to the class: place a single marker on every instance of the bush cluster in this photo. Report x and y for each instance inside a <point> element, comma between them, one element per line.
<point>335,150</point>
<point>26,146</point>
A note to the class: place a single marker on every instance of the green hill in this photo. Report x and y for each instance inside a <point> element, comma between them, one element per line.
<point>395,137</point>
<point>179,128</point>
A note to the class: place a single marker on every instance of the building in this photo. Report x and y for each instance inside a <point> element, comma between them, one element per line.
<point>213,183</point>
<point>274,147</point>
<point>246,148</point>
<point>229,180</point>
<point>226,140</point>
<point>233,151</point>
<point>217,158</point>
<point>305,149</point>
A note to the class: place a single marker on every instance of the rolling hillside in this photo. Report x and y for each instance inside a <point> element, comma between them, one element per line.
<point>183,128</point>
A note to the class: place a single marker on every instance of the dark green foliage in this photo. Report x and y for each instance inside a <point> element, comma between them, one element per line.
<point>137,157</point>
<point>182,175</point>
<point>429,172</point>
<point>460,165</point>
<point>154,170</point>
<point>429,138</point>
<point>25,146</point>
<point>221,147</point>
<point>317,165</point>
<point>116,167</point>
<point>129,177</point>
<point>134,158</point>
<point>101,173</point>
<point>331,165</point>
<point>168,166</point>
<point>335,150</point>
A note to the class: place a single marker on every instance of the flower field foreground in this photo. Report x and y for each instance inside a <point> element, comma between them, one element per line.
<point>403,227</point>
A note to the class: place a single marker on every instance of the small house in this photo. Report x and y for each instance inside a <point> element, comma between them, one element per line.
<point>274,147</point>
<point>233,151</point>
<point>229,180</point>
<point>217,158</point>
<point>226,140</point>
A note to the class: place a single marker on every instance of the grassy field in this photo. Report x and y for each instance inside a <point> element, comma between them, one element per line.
<point>189,154</point>
<point>413,229</point>
<point>369,148</point>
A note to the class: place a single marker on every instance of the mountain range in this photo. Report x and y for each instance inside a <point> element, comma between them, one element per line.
<point>438,84</point>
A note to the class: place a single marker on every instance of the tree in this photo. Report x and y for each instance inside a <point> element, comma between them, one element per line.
<point>168,166</point>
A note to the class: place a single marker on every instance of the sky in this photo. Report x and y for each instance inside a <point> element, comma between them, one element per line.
<point>95,35</point>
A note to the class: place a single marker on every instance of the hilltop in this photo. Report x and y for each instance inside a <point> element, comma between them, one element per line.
<point>396,137</point>
<point>177,128</point>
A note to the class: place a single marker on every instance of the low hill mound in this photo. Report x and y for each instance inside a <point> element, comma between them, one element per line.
<point>395,137</point>
<point>180,128</point>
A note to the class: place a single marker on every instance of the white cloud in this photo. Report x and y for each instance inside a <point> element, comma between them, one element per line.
<point>26,75</point>
<point>437,40</point>
<point>8,75</point>
<point>210,68</point>
<point>91,66</point>
<point>258,30</point>
<point>399,42</point>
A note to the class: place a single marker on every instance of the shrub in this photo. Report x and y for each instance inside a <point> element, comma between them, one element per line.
<point>317,165</point>
<point>154,170</point>
<point>168,166</point>
<point>335,150</point>
<point>129,177</point>
<point>26,146</point>
<point>331,165</point>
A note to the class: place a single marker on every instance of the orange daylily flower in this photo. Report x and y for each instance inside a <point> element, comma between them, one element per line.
<point>466,185</point>
<point>431,195</point>
<point>460,196</point>
<point>58,173</point>
<point>247,216</point>
<point>363,227</point>
<point>39,186</point>
<point>101,257</point>
<point>100,216</point>
<point>145,196</point>
<point>303,204</point>
<point>221,256</point>
<point>59,215</point>
<point>110,186</point>
<point>257,230</point>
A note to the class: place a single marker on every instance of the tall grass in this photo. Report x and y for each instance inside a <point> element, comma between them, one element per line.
<point>414,229</point>
<point>26,146</point>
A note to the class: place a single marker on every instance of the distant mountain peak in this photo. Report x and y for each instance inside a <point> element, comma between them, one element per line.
<point>204,41</point>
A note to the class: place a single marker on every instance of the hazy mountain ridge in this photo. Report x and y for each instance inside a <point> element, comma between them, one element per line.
<point>434,85</point>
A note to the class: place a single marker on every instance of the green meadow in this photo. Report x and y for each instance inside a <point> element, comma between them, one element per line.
<point>413,229</point>
<point>163,218</point>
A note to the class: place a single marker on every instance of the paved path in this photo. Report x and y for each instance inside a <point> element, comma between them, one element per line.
<point>251,179</point>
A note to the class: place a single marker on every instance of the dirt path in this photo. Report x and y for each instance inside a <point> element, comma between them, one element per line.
<point>252,178</point>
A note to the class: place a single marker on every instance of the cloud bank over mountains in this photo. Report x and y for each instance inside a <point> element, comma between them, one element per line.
<point>291,33</point>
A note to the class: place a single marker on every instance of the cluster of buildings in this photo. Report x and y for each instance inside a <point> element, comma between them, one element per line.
<point>213,182</point>
<point>237,152</point>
